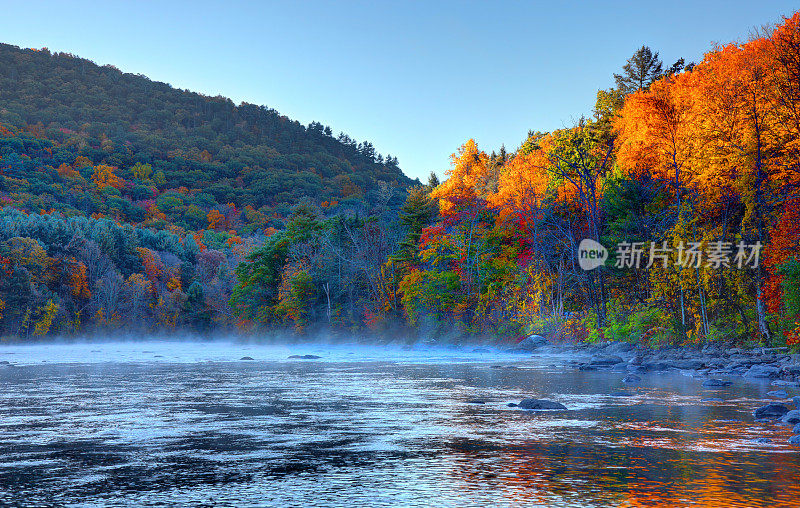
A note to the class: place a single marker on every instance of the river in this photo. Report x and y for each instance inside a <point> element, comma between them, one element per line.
<point>191,423</point>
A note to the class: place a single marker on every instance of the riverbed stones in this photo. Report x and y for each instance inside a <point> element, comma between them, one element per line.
<point>770,412</point>
<point>716,383</point>
<point>792,417</point>
<point>759,371</point>
<point>631,379</point>
<point>778,394</point>
<point>540,404</point>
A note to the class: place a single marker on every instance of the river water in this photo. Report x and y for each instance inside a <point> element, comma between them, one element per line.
<point>190,423</point>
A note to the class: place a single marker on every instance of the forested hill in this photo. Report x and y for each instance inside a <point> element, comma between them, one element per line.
<point>245,155</point>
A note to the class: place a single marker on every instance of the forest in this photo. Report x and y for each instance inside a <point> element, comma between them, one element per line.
<point>132,207</point>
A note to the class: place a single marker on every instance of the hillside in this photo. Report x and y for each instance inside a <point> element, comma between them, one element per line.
<point>55,108</point>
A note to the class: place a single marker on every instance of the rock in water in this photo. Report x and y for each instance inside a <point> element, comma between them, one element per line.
<point>304,357</point>
<point>796,401</point>
<point>778,394</point>
<point>531,342</point>
<point>716,383</point>
<point>631,378</point>
<point>540,404</point>
<point>247,358</point>
<point>792,417</point>
<point>770,412</point>
<point>605,360</point>
<point>795,440</point>
<point>763,372</point>
<point>796,429</point>
<point>476,401</point>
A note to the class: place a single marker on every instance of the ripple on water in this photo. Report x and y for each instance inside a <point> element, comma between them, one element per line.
<point>114,425</point>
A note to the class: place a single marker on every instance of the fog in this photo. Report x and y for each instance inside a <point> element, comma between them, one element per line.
<point>156,349</point>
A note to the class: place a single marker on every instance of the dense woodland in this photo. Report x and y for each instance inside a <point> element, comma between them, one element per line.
<point>132,206</point>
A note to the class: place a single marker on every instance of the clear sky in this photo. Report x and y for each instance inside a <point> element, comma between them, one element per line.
<point>415,78</point>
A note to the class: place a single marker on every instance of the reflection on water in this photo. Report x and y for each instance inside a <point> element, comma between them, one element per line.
<point>150,424</point>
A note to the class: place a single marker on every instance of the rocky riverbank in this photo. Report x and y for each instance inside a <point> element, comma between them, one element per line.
<point>716,365</point>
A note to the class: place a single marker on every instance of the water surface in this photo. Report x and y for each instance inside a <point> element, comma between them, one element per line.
<point>159,424</point>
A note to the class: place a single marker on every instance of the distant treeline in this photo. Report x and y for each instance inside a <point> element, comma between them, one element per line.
<point>170,210</point>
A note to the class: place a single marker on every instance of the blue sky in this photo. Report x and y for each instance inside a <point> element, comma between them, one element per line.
<point>415,78</point>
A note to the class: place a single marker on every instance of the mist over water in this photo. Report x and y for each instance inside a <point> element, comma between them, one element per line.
<point>188,422</point>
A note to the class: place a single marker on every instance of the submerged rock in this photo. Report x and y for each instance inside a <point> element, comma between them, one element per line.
<point>762,440</point>
<point>716,383</point>
<point>540,404</point>
<point>481,350</point>
<point>796,401</point>
<point>304,357</point>
<point>631,378</point>
<point>770,412</point>
<point>778,394</point>
<point>247,358</point>
<point>783,382</point>
<point>620,393</point>
<point>476,401</point>
<point>792,417</point>
<point>712,399</point>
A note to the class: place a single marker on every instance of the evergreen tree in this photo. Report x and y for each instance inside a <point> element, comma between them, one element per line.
<point>640,71</point>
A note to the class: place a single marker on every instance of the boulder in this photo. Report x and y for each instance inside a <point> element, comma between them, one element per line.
<point>762,440</point>
<point>304,357</point>
<point>531,342</point>
<point>476,401</point>
<point>796,401</point>
<point>770,412</point>
<point>631,378</point>
<point>540,404</point>
<point>792,417</point>
<point>605,360</point>
<point>716,383</point>
<point>763,372</point>
<point>689,364</point>
<point>778,394</point>
<point>793,369</point>
<point>783,382</point>
<point>794,440</point>
<point>248,358</point>
<point>796,429</point>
